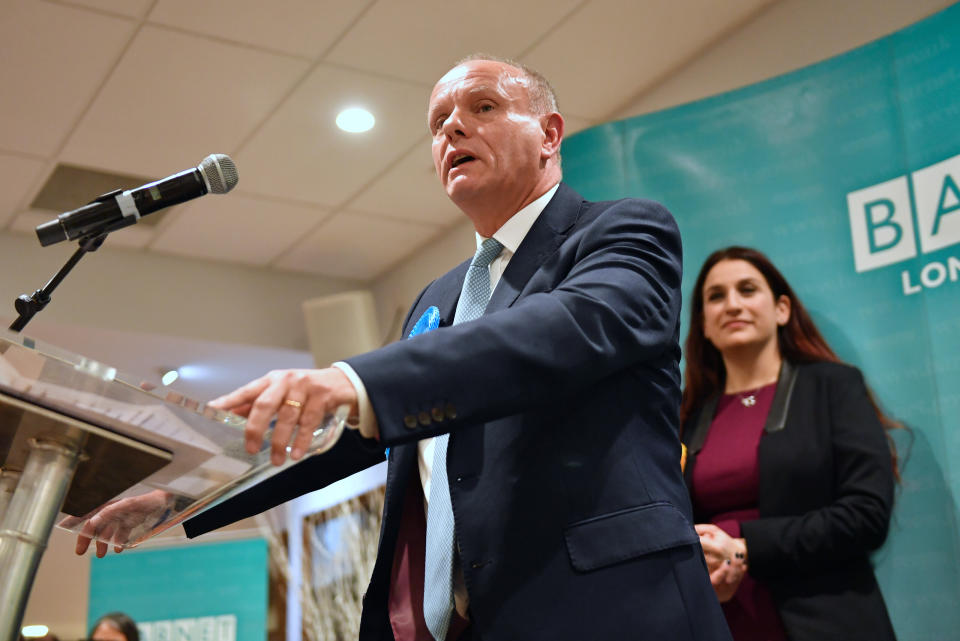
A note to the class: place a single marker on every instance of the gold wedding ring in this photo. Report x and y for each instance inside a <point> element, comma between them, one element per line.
<point>292,403</point>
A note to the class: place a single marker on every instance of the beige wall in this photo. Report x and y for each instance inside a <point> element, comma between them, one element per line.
<point>167,295</point>
<point>399,287</point>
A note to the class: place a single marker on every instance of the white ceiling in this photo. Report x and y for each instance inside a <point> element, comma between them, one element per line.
<point>150,87</point>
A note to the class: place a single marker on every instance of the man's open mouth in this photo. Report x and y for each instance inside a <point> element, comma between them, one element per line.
<point>459,160</point>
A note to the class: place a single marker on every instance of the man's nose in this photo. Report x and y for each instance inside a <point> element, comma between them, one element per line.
<point>453,126</point>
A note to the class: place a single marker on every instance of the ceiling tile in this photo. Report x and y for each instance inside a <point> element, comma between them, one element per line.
<point>134,237</point>
<point>54,59</point>
<point>355,245</point>
<point>180,97</point>
<point>132,8</point>
<point>300,153</point>
<point>298,27</point>
<point>410,190</point>
<point>421,39</point>
<point>237,227</point>
<point>18,180</point>
<point>624,47</point>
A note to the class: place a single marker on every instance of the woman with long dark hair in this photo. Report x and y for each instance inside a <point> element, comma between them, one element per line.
<point>789,467</point>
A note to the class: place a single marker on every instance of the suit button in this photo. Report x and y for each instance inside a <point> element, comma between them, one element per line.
<point>410,421</point>
<point>450,411</point>
<point>437,414</point>
<point>424,419</point>
<point>476,565</point>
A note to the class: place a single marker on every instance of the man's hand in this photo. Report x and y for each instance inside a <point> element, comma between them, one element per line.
<point>118,519</point>
<point>301,397</point>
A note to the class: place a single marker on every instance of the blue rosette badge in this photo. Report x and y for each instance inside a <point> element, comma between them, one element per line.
<point>429,321</point>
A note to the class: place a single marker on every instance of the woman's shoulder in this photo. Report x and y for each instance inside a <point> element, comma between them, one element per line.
<point>830,371</point>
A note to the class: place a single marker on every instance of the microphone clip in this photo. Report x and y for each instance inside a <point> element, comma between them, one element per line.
<point>29,306</point>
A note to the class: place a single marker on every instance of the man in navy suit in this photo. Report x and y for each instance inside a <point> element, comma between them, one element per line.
<point>570,516</point>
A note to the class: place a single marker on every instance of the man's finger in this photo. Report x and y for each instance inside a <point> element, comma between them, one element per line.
<point>313,414</point>
<point>83,542</point>
<point>241,410</point>
<point>264,407</point>
<point>242,395</point>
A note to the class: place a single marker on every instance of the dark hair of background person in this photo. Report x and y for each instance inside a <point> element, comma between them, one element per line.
<point>121,622</point>
<point>799,339</point>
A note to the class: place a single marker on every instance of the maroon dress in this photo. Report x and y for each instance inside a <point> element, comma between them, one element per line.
<point>725,485</point>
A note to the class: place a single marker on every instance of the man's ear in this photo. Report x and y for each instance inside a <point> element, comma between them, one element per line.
<point>552,135</point>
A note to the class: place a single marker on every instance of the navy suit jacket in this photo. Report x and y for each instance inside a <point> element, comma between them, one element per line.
<point>561,402</point>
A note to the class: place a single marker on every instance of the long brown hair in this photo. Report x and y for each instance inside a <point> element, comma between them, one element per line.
<point>799,339</point>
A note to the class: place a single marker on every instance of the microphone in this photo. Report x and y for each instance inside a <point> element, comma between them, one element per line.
<point>121,208</point>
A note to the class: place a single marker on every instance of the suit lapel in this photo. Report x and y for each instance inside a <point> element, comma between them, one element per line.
<point>545,236</point>
<point>449,294</point>
<point>444,294</point>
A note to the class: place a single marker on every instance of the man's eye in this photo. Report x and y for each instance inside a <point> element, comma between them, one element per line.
<point>438,123</point>
<point>486,108</point>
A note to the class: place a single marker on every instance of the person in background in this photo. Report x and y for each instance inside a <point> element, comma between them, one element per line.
<point>789,467</point>
<point>114,626</point>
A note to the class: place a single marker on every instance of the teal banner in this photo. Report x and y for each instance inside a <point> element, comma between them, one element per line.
<point>210,592</point>
<point>847,174</point>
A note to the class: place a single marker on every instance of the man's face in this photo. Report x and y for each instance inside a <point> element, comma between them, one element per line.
<point>487,144</point>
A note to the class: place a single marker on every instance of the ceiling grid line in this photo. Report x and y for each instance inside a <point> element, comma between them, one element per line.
<point>263,83</point>
<point>695,55</point>
<point>50,162</point>
<point>314,63</point>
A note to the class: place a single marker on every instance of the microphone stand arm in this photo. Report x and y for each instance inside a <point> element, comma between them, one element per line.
<point>28,306</point>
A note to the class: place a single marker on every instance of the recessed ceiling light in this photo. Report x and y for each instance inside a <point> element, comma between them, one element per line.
<point>355,120</point>
<point>194,372</point>
<point>170,377</point>
<point>34,631</point>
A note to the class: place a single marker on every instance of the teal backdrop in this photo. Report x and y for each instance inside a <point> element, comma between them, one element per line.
<point>846,174</point>
<point>197,584</point>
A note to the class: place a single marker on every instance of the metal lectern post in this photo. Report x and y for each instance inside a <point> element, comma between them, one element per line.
<point>8,483</point>
<point>28,520</point>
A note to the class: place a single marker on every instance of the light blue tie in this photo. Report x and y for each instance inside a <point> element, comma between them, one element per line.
<point>438,570</point>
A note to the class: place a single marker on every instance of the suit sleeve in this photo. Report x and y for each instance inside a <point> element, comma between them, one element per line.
<point>856,521</point>
<point>351,454</point>
<point>607,299</point>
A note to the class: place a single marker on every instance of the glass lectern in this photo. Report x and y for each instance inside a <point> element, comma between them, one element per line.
<point>106,456</point>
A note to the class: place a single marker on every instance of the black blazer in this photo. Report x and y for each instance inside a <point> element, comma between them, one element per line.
<point>571,515</point>
<point>825,499</point>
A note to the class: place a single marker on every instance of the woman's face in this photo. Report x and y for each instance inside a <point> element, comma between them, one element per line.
<point>738,307</point>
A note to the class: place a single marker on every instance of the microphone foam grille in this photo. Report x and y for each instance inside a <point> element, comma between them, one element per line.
<point>220,172</point>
